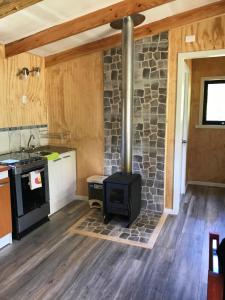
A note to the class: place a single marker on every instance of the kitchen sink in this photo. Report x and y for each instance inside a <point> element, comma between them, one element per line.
<point>44,153</point>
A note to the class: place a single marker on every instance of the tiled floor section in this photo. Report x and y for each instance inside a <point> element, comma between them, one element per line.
<point>140,232</point>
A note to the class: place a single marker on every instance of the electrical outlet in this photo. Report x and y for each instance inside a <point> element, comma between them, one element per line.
<point>190,38</point>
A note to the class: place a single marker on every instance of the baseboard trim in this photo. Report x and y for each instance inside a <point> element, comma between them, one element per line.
<point>6,240</point>
<point>205,183</point>
<point>79,197</point>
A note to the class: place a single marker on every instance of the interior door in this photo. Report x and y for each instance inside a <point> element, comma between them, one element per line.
<point>186,117</point>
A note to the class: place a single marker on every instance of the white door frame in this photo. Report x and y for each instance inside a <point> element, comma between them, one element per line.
<point>177,178</point>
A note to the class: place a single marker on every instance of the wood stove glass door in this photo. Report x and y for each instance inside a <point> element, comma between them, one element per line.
<point>117,196</point>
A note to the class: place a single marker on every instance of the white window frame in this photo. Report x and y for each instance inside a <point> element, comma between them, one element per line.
<point>200,124</point>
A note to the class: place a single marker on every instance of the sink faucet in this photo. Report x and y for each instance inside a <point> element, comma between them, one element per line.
<point>28,144</point>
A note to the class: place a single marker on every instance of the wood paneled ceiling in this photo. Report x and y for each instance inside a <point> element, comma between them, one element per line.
<point>48,13</point>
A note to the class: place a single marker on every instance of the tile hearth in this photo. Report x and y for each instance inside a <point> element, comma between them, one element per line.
<point>143,232</point>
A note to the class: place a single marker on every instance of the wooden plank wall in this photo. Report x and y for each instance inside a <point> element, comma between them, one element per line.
<point>206,155</point>
<point>210,35</point>
<point>13,112</point>
<point>74,91</point>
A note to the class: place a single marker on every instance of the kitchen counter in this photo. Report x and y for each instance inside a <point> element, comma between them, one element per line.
<point>52,148</point>
<point>4,168</point>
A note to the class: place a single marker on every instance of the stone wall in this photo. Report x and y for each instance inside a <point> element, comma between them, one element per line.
<point>149,115</point>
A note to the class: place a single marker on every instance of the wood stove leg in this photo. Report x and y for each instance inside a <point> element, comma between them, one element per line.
<point>107,218</point>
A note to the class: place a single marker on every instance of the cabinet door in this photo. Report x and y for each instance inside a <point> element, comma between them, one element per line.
<point>54,171</point>
<point>69,175</point>
<point>5,208</point>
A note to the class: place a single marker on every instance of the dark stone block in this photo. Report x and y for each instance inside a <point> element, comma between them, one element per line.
<point>152,63</point>
<point>161,126</point>
<point>146,73</point>
<point>160,166</point>
<point>159,184</point>
<point>154,75</point>
<point>113,66</point>
<point>161,143</point>
<point>108,155</point>
<point>162,99</point>
<point>164,55</point>
<point>161,133</point>
<point>162,109</point>
<point>140,56</point>
<point>154,110</point>
<point>146,165</point>
<point>164,35</point>
<point>160,192</point>
<point>108,94</point>
<point>159,175</point>
<point>139,126</point>
<point>153,47</point>
<point>148,99</point>
<point>108,125</point>
<point>153,120</point>
<point>144,204</point>
<point>163,46</point>
<point>113,51</point>
<point>114,75</point>
<point>139,93</point>
<point>114,169</point>
<point>162,91</point>
<point>155,85</point>
<point>119,65</point>
<point>155,38</point>
<point>114,140</point>
<point>152,143</point>
<point>137,158</point>
<point>134,238</point>
<point>157,55</point>
<point>160,159</point>
<point>147,91</point>
<point>163,73</point>
<point>108,59</point>
<point>119,51</point>
<point>106,102</point>
<point>150,183</point>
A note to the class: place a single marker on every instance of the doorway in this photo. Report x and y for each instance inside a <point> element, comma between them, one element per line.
<point>182,121</point>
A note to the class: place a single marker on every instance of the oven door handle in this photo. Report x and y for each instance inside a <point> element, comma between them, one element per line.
<point>27,175</point>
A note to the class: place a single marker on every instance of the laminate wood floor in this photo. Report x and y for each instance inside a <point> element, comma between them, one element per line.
<point>51,264</point>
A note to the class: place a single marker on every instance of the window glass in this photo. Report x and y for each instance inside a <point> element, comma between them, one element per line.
<point>214,102</point>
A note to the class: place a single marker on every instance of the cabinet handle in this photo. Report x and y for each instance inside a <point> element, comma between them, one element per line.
<point>66,156</point>
<point>57,159</point>
<point>3,184</point>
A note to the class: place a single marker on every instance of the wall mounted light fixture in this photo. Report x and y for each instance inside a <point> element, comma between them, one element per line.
<point>25,72</point>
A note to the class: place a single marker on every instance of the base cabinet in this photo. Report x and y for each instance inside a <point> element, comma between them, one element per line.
<point>5,210</point>
<point>62,180</point>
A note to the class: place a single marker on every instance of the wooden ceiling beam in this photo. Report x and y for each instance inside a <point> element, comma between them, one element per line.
<point>89,21</point>
<point>166,24</point>
<point>8,7</point>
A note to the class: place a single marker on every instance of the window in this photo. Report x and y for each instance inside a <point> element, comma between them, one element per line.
<point>213,112</point>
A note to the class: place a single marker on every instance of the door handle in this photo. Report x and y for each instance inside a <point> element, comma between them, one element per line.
<point>184,141</point>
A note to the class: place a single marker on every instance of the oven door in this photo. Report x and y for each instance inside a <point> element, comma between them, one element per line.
<point>32,199</point>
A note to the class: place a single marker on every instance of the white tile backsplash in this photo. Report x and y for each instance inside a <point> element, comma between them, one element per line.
<point>4,142</point>
<point>13,140</point>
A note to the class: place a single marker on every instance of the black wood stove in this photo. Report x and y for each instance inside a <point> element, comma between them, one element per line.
<point>122,196</point>
<point>122,191</point>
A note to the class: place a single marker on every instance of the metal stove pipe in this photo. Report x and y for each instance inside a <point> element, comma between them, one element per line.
<point>127,92</point>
